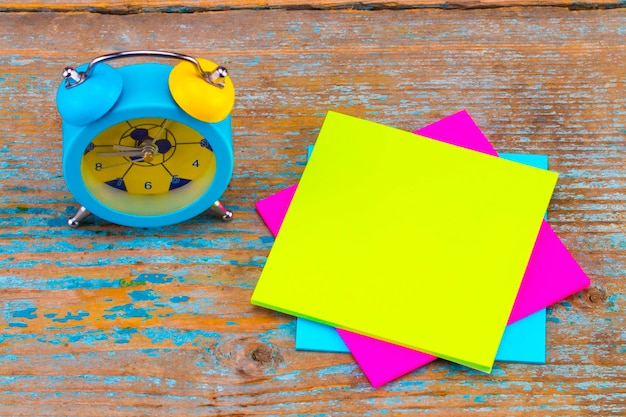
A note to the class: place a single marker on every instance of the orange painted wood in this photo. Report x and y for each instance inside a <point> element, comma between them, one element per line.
<point>115,321</point>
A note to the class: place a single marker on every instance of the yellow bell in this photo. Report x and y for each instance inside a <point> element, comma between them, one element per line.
<point>199,97</point>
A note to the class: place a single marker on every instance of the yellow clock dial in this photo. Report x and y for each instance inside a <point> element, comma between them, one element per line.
<point>148,166</point>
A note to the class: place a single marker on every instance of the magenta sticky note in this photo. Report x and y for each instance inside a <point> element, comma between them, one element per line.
<point>273,209</point>
<point>551,276</point>
<point>552,273</point>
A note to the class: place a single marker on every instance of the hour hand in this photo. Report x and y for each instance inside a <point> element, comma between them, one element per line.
<point>124,163</point>
<point>125,148</point>
<point>125,152</point>
<point>147,151</point>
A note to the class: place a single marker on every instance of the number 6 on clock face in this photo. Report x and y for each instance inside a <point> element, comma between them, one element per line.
<point>155,148</point>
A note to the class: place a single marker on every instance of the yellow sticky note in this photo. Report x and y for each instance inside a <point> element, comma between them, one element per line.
<point>406,239</point>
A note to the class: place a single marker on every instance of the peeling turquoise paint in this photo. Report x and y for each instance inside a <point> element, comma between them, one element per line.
<point>155,278</point>
<point>27,313</point>
<point>18,309</point>
<point>291,376</point>
<point>178,337</point>
<point>254,61</point>
<point>70,317</point>
<point>143,295</point>
<point>65,241</point>
<point>614,301</point>
<point>287,330</point>
<point>128,311</point>
<point>340,369</point>
<point>124,335</point>
<point>179,299</point>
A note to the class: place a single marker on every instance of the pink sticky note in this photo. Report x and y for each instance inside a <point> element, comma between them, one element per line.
<point>552,273</point>
<point>274,208</point>
<point>551,276</point>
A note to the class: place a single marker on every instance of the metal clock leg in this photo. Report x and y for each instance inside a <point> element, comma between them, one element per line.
<point>80,215</point>
<point>218,209</point>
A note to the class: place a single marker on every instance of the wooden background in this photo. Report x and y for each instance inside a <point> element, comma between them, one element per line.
<point>114,321</point>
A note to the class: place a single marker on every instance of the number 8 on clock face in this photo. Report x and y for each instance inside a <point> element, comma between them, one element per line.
<point>147,144</point>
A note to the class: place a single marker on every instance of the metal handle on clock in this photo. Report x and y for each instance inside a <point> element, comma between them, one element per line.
<point>74,78</point>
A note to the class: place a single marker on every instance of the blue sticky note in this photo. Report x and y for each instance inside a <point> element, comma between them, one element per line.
<point>537,161</point>
<point>523,341</point>
<point>311,335</point>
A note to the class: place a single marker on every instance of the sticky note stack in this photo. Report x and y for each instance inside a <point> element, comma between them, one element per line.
<point>416,247</point>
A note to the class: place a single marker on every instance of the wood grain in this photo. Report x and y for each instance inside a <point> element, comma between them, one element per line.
<point>114,321</point>
<point>169,6</point>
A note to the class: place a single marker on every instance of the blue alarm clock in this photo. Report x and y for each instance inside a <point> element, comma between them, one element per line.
<point>147,144</point>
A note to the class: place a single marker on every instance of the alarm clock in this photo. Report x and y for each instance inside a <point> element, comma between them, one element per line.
<point>147,144</point>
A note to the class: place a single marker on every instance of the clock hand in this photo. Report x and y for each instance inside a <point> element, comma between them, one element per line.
<point>147,151</point>
<point>134,152</point>
<point>125,148</point>
<point>123,163</point>
<point>164,125</point>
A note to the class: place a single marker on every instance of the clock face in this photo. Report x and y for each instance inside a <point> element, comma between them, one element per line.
<point>148,166</point>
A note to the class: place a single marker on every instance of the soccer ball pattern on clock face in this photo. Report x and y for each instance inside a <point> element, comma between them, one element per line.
<point>152,157</point>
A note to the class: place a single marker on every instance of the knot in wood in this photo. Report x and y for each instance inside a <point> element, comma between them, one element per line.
<point>596,295</point>
<point>249,357</point>
<point>262,354</point>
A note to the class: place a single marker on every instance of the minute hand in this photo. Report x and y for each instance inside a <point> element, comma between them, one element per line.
<point>135,152</point>
<point>125,148</point>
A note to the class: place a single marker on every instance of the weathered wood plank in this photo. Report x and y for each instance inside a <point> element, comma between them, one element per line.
<point>114,321</point>
<point>127,7</point>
